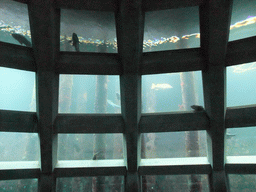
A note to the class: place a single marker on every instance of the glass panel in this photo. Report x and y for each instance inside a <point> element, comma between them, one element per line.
<point>14,23</point>
<point>240,83</point>
<point>89,94</point>
<point>90,146</point>
<point>90,184</point>
<point>173,145</point>
<point>17,90</point>
<point>243,19</point>
<point>19,185</point>
<point>241,141</point>
<point>171,92</point>
<point>242,183</point>
<point>171,29</point>
<point>175,183</point>
<point>19,146</point>
<point>87,31</point>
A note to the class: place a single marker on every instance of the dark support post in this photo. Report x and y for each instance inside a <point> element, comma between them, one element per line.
<point>130,29</point>
<point>45,27</point>
<point>215,19</point>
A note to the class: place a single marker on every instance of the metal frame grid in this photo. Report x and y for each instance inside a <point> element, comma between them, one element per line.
<point>212,58</point>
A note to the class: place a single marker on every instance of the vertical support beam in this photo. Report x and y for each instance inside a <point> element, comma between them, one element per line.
<point>46,182</point>
<point>130,30</point>
<point>45,27</point>
<point>215,19</point>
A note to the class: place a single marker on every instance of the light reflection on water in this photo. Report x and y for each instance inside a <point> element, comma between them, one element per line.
<point>113,42</point>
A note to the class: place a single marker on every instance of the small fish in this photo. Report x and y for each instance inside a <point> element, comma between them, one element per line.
<point>197,107</point>
<point>118,96</point>
<point>113,104</point>
<point>229,135</point>
<point>21,39</point>
<point>161,86</point>
<point>75,41</point>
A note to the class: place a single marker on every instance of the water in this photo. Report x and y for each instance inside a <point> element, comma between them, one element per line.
<point>90,93</point>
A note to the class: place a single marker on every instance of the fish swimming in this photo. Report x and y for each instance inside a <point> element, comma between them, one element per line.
<point>21,39</point>
<point>118,96</point>
<point>75,41</point>
<point>197,107</point>
<point>161,86</point>
<point>229,135</point>
<point>113,104</point>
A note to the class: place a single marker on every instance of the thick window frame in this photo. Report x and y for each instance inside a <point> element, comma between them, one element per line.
<point>212,58</point>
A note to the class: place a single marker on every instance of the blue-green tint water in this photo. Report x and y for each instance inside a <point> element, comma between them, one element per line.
<point>18,185</point>
<point>241,89</point>
<point>173,145</point>
<point>164,28</point>
<point>17,90</point>
<point>13,19</point>
<point>239,182</point>
<point>241,141</point>
<point>19,146</point>
<point>96,31</point>
<point>83,146</point>
<point>181,183</point>
<point>243,19</point>
<point>171,92</point>
<point>81,184</point>
<point>89,94</point>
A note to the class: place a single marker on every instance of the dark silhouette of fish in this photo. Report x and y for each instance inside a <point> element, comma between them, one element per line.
<point>118,96</point>
<point>75,41</point>
<point>229,135</point>
<point>95,156</point>
<point>197,107</point>
<point>22,39</point>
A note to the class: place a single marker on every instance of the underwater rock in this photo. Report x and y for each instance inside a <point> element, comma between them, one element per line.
<point>197,107</point>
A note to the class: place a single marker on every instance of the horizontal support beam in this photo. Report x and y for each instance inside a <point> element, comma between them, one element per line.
<point>22,1</point>
<point>152,5</point>
<point>17,57</point>
<point>88,63</point>
<point>172,61</point>
<point>89,123</point>
<point>241,165</point>
<point>21,57</point>
<point>95,5</point>
<point>111,5</point>
<point>241,51</point>
<point>170,122</point>
<point>173,166</point>
<point>80,168</point>
<point>240,116</point>
<point>18,121</point>
<point>19,170</point>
